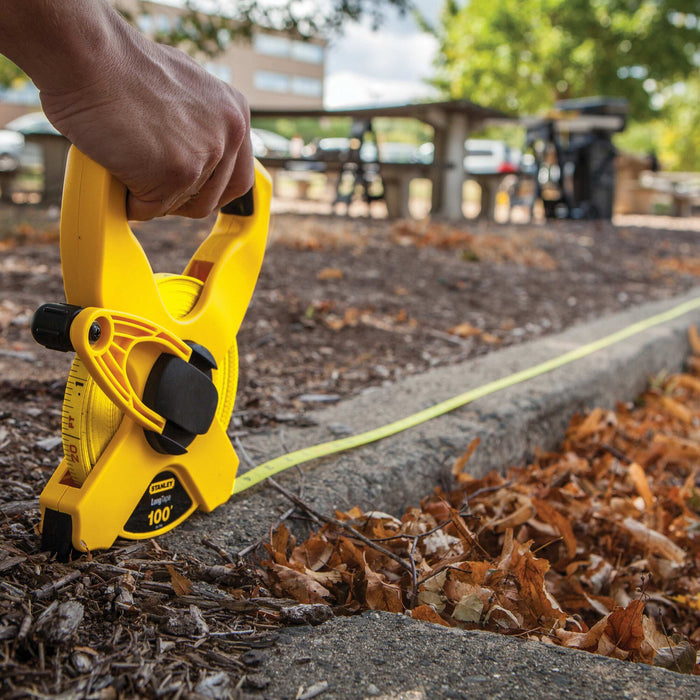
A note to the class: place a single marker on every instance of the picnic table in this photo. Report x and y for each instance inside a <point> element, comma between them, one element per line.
<point>452,122</point>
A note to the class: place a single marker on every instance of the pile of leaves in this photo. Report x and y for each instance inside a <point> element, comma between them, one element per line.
<point>594,547</point>
<point>517,248</point>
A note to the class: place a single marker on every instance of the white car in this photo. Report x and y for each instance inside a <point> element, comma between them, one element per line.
<point>482,157</point>
<point>268,143</point>
<point>11,147</point>
<point>486,157</point>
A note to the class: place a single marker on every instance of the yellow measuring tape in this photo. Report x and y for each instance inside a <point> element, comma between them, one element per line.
<point>279,464</point>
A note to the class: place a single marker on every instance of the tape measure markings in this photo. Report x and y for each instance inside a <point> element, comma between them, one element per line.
<point>291,459</point>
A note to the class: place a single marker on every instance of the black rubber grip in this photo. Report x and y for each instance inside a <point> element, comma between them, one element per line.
<point>241,206</point>
<point>51,325</point>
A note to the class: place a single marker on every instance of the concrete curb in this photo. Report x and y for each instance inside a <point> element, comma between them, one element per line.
<point>397,471</point>
<point>386,656</point>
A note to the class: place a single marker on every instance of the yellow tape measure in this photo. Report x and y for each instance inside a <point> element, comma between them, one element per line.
<point>279,464</point>
<point>148,401</point>
<point>90,419</point>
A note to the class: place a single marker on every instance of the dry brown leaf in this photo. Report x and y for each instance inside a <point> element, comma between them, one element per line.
<point>380,594</point>
<point>694,339</point>
<point>313,554</point>
<point>461,461</point>
<point>624,626</point>
<point>641,483</point>
<point>181,584</point>
<point>464,330</point>
<point>655,542</point>
<point>300,586</point>
<point>677,409</point>
<point>427,614</point>
<point>530,573</point>
<point>583,640</point>
<point>551,515</point>
<point>687,381</point>
<point>330,273</point>
<point>462,530</point>
<point>469,608</point>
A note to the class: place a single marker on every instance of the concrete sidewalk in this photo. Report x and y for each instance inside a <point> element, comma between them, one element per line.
<point>392,656</point>
<point>382,656</point>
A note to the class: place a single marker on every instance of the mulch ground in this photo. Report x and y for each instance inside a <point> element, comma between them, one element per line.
<point>342,305</point>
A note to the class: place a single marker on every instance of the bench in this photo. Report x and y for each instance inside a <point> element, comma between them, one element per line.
<point>682,189</point>
<point>396,177</point>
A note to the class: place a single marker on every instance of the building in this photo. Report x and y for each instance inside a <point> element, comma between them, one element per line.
<point>272,69</point>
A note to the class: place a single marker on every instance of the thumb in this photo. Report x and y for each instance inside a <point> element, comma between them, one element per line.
<point>141,210</point>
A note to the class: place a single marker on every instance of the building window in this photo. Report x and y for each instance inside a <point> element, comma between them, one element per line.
<point>271,82</point>
<point>163,23</point>
<point>271,45</point>
<point>307,52</point>
<point>308,87</point>
<point>145,24</point>
<point>219,71</point>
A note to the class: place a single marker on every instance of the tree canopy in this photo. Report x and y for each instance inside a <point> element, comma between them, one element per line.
<point>523,55</point>
<point>207,25</point>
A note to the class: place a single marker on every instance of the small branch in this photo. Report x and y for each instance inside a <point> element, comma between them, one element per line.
<point>258,542</point>
<point>220,551</point>
<point>339,523</point>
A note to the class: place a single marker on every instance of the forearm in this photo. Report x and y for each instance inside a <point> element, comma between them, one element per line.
<point>71,41</point>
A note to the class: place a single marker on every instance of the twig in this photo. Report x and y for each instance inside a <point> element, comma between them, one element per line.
<point>339,523</point>
<point>53,586</point>
<point>220,551</point>
<point>242,451</point>
<point>256,544</point>
<point>618,454</point>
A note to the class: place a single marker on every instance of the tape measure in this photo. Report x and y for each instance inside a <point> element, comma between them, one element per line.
<point>150,393</point>
<point>90,419</point>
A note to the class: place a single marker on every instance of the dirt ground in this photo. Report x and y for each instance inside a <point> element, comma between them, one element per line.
<point>345,304</point>
<point>342,305</point>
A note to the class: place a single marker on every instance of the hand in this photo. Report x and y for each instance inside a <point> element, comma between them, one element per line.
<point>177,137</point>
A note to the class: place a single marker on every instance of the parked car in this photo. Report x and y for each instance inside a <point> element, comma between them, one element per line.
<point>338,148</point>
<point>487,157</point>
<point>391,152</point>
<point>268,143</point>
<point>32,123</point>
<point>11,146</point>
<point>482,157</point>
<point>31,156</point>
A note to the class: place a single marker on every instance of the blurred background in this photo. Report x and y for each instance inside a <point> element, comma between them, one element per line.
<point>304,59</point>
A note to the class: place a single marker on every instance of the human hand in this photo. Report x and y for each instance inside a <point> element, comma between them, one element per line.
<point>174,135</point>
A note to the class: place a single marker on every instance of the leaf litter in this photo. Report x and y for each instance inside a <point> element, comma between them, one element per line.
<point>594,547</point>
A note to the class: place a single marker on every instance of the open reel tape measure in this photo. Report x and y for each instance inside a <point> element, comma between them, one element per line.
<point>151,391</point>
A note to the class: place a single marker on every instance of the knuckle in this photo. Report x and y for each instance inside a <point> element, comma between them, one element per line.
<point>186,174</point>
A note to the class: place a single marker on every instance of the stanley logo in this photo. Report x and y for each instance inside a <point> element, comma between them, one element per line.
<point>158,486</point>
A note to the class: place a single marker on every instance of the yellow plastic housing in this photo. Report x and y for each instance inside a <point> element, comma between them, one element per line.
<point>106,270</point>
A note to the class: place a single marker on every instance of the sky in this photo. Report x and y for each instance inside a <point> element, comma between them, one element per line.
<point>365,67</point>
<point>388,66</point>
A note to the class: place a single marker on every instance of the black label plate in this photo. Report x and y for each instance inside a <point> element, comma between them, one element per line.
<point>164,501</point>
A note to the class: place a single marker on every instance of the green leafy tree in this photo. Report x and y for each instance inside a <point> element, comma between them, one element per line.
<point>208,27</point>
<point>523,55</point>
<point>9,72</point>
